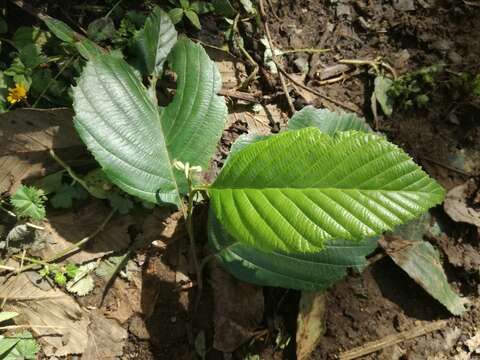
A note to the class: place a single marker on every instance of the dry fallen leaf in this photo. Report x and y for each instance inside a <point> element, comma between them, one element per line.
<point>310,323</point>
<point>25,137</point>
<point>66,321</point>
<point>105,338</point>
<point>238,310</point>
<point>456,205</point>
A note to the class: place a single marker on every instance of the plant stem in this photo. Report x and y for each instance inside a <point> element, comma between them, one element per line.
<point>50,82</point>
<point>69,170</point>
<point>306,50</point>
<point>112,9</point>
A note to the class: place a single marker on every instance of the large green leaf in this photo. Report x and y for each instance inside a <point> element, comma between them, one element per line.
<point>297,190</point>
<point>123,128</point>
<point>155,41</point>
<point>299,271</point>
<point>327,121</point>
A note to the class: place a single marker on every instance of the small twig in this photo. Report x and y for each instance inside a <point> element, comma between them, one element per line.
<point>60,72</point>
<point>9,268</point>
<point>263,15</point>
<point>313,91</point>
<point>305,50</point>
<point>69,170</point>
<point>373,63</point>
<point>236,38</point>
<point>390,340</point>
<point>12,327</point>
<point>238,95</point>
<point>448,167</point>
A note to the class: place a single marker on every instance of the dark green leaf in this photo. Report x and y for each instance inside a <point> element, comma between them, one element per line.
<point>135,145</point>
<point>315,271</point>
<point>101,29</point>
<point>155,41</point>
<point>224,8</point>
<point>193,17</point>
<point>422,263</point>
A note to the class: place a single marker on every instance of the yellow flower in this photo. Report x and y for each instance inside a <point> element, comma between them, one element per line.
<point>16,94</point>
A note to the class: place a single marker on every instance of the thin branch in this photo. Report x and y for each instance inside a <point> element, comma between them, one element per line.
<point>390,340</point>
<point>72,247</point>
<point>274,57</point>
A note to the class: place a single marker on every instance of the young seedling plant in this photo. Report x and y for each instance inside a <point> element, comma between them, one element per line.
<point>294,210</point>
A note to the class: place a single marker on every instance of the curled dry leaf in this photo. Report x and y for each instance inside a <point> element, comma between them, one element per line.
<point>310,322</point>
<point>457,207</point>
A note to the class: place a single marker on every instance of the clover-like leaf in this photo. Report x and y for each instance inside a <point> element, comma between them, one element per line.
<point>295,191</point>
<point>29,202</point>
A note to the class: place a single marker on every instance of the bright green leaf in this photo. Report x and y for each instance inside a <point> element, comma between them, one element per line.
<point>176,15</point>
<point>6,345</point>
<point>155,41</point>
<point>7,315</point>
<point>329,122</point>
<point>193,17</point>
<point>31,56</point>
<point>184,4</point>
<point>311,272</point>
<point>60,29</point>
<point>27,347</point>
<point>60,278</point>
<point>28,202</point>
<point>135,145</point>
<point>297,190</point>
<point>88,49</point>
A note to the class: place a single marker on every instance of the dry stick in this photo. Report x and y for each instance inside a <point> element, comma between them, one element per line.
<point>373,63</point>
<point>446,166</point>
<point>390,340</point>
<point>263,15</point>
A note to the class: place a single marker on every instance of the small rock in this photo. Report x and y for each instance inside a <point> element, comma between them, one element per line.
<point>454,57</point>
<point>442,45</point>
<point>138,328</point>
<point>404,5</point>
